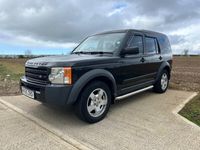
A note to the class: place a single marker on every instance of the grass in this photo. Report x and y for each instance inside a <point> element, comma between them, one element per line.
<point>191,111</point>
<point>11,70</point>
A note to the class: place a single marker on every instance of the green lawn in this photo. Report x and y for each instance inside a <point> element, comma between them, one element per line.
<point>191,111</point>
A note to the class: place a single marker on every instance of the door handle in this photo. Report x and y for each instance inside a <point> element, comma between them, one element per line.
<point>142,59</point>
<point>160,57</point>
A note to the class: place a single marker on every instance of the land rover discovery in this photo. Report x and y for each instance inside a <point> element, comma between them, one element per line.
<point>103,68</point>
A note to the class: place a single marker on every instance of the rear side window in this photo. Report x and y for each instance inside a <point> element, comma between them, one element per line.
<point>136,41</point>
<point>151,45</point>
<point>164,44</point>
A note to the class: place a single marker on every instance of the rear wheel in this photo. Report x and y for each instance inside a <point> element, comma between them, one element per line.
<point>94,102</point>
<point>162,84</point>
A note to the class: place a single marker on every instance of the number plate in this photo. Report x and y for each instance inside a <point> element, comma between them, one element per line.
<point>28,92</point>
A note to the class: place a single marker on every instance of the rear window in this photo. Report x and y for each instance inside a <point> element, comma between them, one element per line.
<point>151,45</point>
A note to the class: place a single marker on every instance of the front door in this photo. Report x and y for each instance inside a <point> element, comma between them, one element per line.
<point>132,70</point>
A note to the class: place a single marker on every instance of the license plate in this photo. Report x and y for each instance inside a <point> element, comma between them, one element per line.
<point>28,92</point>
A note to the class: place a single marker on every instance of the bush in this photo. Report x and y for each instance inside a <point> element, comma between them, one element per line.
<point>21,56</point>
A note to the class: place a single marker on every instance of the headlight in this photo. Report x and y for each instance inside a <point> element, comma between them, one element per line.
<point>61,75</point>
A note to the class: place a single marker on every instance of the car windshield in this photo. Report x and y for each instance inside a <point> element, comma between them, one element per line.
<point>102,43</point>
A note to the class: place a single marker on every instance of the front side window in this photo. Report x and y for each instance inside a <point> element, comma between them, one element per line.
<point>101,43</point>
<point>151,45</point>
<point>136,41</point>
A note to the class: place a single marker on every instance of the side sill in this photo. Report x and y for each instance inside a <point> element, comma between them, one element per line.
<point>133,93</point>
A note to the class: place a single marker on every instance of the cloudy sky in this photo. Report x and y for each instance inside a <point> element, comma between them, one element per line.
<point>56,26</point>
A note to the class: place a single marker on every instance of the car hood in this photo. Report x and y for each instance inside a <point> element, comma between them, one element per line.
<point>69,60</point>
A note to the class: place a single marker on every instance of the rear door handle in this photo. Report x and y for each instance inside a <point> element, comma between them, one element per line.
<point>160,57</point>
<point>142,59</point>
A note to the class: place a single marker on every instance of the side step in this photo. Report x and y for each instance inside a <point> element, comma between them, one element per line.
<point>133,93</point>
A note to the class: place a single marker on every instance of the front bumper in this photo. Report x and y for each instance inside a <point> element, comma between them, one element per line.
<point>50,93</point>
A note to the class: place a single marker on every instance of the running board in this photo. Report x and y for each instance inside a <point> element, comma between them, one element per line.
<point>133,93</point>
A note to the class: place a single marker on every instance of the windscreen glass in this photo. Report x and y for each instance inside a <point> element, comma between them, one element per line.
<point>101,43</point>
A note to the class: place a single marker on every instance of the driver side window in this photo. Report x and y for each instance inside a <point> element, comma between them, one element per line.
<point>136,41</point>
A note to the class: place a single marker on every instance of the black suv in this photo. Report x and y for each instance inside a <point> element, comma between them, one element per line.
<point>103,68</point>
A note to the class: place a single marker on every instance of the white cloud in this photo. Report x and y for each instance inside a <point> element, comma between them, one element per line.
<point>28,41</point>
<point>144,22</point>
<point>31,42</point>
<point>2,16</point>
<point>191,38</point>
<point>115,11</point>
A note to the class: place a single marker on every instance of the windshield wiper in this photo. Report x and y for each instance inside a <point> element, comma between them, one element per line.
<point>100,52</point>
<point>79,52</point>
<point>92,52</point>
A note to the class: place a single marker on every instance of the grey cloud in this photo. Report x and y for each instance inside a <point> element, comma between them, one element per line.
<point>71,20</point>
<point>176,39</point>
<point>55,20</point>
<point>175,13</point>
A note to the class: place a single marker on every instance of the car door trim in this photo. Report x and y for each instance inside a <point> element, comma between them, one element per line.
<point>150,75</point>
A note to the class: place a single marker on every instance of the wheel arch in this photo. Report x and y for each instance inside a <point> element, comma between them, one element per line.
<point>91,76</point>
<point>164,66</point>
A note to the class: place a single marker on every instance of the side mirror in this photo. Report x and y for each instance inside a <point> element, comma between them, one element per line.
<point>130,51</point>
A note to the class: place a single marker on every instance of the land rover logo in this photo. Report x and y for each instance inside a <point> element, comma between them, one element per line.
<point>40,76</point>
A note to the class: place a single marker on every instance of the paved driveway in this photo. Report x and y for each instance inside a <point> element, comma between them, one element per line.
<point>144,121</point>
<point>19,133</point>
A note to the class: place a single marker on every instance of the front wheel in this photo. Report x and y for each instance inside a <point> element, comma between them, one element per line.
<point>94,102</point>
<point>162,84</point>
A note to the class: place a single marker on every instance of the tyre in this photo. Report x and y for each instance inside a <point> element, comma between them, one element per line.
<point>163,81</point>
<point>94,102</point>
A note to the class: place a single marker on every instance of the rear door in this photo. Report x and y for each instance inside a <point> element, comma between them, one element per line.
<point>152,57</point>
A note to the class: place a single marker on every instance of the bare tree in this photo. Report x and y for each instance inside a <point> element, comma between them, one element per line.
<point>185,52</point>
<point>28,53</point>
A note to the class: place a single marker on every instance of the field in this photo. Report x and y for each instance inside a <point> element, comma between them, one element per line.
<point>185,74</point>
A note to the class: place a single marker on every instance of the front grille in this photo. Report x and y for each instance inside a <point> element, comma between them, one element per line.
<point>37,75</point>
